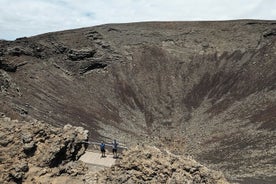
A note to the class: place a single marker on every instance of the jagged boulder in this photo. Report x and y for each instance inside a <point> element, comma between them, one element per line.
<point>27,149</point>
<point>150,165</point>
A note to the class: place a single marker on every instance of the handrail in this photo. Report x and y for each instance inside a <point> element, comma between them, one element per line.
<point>107,144</point>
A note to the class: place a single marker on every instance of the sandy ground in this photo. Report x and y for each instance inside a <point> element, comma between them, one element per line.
<point>96,162</point>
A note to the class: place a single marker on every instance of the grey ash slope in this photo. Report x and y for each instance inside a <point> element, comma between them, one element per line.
<point>210,86</point>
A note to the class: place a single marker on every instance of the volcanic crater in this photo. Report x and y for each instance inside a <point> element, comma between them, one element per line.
<point>206,89</point>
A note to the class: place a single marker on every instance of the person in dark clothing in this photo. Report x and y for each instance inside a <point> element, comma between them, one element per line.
<point>114,148</point>
<point>102,147</point>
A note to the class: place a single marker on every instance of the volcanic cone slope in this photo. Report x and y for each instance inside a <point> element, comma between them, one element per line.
<point>203,88</point>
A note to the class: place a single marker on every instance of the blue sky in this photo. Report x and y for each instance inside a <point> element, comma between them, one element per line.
<point>20,18</point>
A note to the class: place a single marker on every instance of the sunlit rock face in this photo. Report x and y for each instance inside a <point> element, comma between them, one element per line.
<point>32,152</point>
<point>144,164</point>
<point>200,88</point>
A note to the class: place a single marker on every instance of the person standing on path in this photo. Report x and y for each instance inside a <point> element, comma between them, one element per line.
<point>114,148</point>
<point>102,147</point>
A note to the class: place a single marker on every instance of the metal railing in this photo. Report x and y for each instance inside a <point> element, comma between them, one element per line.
<point>106,144</point>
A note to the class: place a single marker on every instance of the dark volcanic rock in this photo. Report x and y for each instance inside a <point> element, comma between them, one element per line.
<point>7,66</point>
<point>270,33</point>
<point>18,51</point>
<point>92,66</point>
<point>80,54</point>
<point>203,88</point>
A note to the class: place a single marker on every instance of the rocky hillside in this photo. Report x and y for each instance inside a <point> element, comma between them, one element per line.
<point>35,152</point>
<point>144,164</point>
<point>200,88</point>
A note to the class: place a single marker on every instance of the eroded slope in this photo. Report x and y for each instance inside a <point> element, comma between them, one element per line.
<point>203,88</point>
